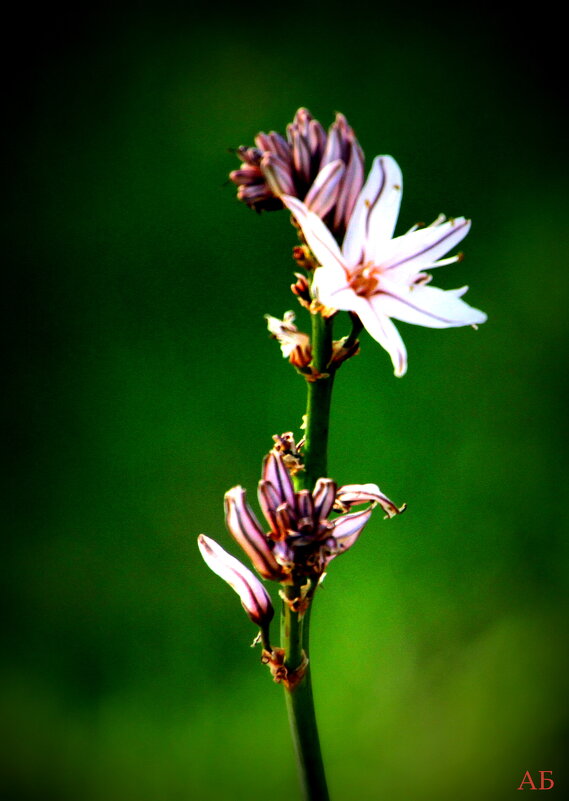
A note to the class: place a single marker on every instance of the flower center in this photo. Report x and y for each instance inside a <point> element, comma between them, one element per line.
<point>364,279</point>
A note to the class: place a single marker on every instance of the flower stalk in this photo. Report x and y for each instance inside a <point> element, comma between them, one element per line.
<point>300,704</point>
<point>295,626</point>
<point>352,262</point>
<point>319,398</point>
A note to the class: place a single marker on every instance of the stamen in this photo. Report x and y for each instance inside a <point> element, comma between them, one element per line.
<point>449,260</point>
<point>440,219</point>
<point>364,280</point>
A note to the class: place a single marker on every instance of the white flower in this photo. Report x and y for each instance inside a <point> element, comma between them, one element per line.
<point>379,277</point>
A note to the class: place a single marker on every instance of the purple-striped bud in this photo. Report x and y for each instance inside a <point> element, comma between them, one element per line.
<point>352,184</point>
<point>324,496</point>
<point>246,175</point>
<point>254,597</point>
<point>316,138</point>
<point>277,175</point>
<point>302,538</point>
<point>305,505</point>
<point>300,155</point>
<point>323,193</point>
<point>246,531</point>
<point>333,146</point>
<point>275,472</point>
<point>297,166</point>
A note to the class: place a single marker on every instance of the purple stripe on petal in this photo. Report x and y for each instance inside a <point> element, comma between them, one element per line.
<point>254,194</point>
<point>285,521</point>
<point>263,141</point>
<point>455,231</point>
<point>305,504</point>
<point>324,495</point>
<point>277,174</point>
<point>428,306</point>
<point>351,186</point>
<point>346,530</point>
<point>333,148</point>
<point>316,139</point>
<point>268,501</point>
<point>301,156</point>
<point>371,203</point>
<point>323,193</point>
<point>302,120</point>
<point>275,472</point>
<point>280,146</point>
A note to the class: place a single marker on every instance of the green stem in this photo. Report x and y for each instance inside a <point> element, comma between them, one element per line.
<point>318,405</point>
<point>300,704</point>
<point>295,625</point>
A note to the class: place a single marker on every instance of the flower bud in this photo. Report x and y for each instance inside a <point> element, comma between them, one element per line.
<point>254,597</point>
<point>245,529</point>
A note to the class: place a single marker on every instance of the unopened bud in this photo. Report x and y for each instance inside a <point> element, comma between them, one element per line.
<point>254,597</point>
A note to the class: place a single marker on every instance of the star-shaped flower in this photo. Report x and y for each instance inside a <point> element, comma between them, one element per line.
<point>379,277</point>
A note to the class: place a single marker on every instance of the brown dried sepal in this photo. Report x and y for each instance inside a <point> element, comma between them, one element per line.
<point>340,353</point>
<point>301,357</point>
<point>290,451</point>
<point>301,288</point>
<point>304,258</point>
<point>318,308</point>
<point>275,659</point>
<point>301,603</point>
<point>311,374</point>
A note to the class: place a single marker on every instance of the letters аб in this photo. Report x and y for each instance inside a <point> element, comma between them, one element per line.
<point>527,780</point>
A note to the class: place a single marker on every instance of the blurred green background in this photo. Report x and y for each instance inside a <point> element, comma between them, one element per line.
<point>143,385</point>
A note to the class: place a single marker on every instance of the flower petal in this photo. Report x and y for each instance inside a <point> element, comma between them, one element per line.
<point>246,531</point>
<point>346,530</point>
<point>353,494</point>
<point>351,185</point>
<point>275,472</point>
<point>316,137</point>
<point>324,495</point>
<point>418,250</point>
<point>269,501</point>
<point>323,193</point>
<point>300,153</point>
<point>305,505</point>
<point>277,174</point>
<point>319,239</point>
<point>380,327</point>
<point>426,305</point>
<point>254,597</point>
<point>375,214</point>
<point>330,287</point>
